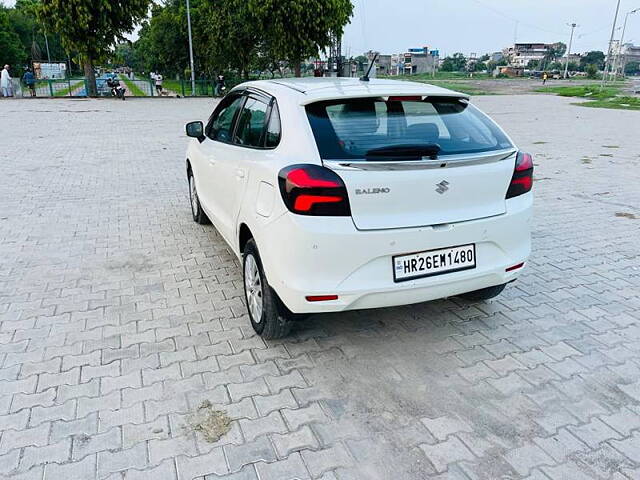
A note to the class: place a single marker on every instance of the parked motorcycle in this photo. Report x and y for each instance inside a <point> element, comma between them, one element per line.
<point>116,89</point>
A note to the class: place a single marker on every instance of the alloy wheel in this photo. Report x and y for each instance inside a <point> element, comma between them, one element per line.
<point>253,288</point>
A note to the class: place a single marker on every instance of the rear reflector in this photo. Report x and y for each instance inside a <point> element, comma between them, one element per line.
<point>515,267</point>
<point>321,298</point>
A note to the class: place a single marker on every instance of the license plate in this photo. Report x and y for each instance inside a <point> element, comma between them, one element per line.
<point>433,262</point>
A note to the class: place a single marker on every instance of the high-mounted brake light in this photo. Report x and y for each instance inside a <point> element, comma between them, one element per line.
<point>522,179</point>
<point>313,190</point>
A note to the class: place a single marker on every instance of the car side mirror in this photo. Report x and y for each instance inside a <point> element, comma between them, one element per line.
<point>195,130</point>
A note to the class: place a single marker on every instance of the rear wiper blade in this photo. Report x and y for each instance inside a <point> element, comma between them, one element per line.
<point>409,152</point>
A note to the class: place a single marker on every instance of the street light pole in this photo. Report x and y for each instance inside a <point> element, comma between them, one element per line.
<point>193,73</point>
<point>613,31</point>
<point>624,29</point>
<point>566,64</point>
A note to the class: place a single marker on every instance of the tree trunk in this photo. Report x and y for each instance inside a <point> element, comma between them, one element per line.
<point>297,69</point>
<point>90,76</point>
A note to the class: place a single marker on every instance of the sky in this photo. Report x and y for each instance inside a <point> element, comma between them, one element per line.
<point>481,26</point>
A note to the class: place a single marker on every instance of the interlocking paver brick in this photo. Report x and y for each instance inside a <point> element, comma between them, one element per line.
<point>253,428</point>
<point>136,433</point>
<point>131,458</point>
<point>85,469</point>
<point>36,436</point>
<point>290,468</point>
<point>450,451</point>
<point>56,452</point>
<point>295,418</point>
<point>211,463</point>
<point>84,444</point>
<point>65,411</point>
<point>442,427</point>
<point>123,416</point>
<point>251,452</point>
<point>160,449</point>
<point>268,403</point>
<point>287,443</point>
<point>83,426</point>
<point>97,280</point>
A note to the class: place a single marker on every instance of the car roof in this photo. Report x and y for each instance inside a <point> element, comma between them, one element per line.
<point>312,89</point>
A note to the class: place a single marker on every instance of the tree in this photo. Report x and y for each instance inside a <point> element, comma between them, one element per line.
<point>10,45</point>
<point>533,64</point>
<point>632,68</point>
<point>232,33</point>
<point>594,57</point>
<point>455,63</point>
<point>592,70</point>
<point>91,27</point>
<point>297,29</point>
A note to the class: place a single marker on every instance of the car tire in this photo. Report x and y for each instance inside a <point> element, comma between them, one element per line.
<point>269,317</point>
<point>196,209</point>
<point>484,293</point>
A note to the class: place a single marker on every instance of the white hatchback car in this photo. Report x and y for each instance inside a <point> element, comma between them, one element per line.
<point>341,194</point>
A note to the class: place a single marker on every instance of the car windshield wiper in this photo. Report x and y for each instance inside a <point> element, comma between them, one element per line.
<point>404,152</point>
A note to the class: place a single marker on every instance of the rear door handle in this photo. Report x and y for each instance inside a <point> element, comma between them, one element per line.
<point>240,173</point>
<point>212,161</point>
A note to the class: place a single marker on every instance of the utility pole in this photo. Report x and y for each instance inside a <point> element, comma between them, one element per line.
<point>624,62</point>
<point>566,64</point>
<point>46,42</point>
<point>193,73</point>
<point>613,32</point>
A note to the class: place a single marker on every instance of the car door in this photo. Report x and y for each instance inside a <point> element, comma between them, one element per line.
<point>234,170</point>
<point>216,147</point>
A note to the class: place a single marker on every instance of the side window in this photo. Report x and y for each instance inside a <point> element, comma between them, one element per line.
<point>273,129</point>
<point>221,126</point>
<point>251,123</point>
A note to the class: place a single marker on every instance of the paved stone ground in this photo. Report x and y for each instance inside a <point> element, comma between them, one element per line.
<point>120,316</point>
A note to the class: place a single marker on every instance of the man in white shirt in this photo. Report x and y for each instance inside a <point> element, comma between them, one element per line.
<point>5,82</point>
<point>159,83</point>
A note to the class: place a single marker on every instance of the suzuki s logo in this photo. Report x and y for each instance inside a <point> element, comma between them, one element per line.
<point>442,187</point>
<point>371,191</point>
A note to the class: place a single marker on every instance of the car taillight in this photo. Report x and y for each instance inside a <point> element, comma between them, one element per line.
<point>313,190</point>
<point>522,179</point>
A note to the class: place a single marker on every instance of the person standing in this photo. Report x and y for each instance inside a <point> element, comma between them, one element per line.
<point>158,78</point>
<point>544,78</point>
<point>30,81</point>
<point>5,82</point>
<point>220,85</point>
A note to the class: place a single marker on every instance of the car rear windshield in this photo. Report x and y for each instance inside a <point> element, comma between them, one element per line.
<point>387,128</point>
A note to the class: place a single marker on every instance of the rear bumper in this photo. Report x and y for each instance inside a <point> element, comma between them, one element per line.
<point>329,256</point>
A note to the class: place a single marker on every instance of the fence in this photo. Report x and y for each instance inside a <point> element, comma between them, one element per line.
<point>77,87</point>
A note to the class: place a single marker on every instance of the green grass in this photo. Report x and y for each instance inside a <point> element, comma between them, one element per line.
<point>135,90</point>
<point>583,91</point>
<point>607,97</point>
<point>618,103</point>
<point>67,90</point>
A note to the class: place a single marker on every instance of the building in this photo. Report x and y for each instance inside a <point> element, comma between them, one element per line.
<point>520,54</point>
<point>414,61</point>
<point>628,53</point>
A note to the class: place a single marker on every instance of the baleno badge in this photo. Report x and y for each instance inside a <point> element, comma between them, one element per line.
<point>370,191</point>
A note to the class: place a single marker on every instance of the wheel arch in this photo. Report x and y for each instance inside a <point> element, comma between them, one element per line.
<point>244,235</point>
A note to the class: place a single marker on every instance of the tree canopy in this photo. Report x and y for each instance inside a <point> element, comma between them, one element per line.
<point>456,63</point>
<point>92,27</point>
<point>242,35</point>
